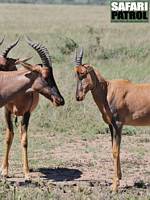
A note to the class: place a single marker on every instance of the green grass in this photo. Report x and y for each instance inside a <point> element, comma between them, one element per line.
<point>117,50</point>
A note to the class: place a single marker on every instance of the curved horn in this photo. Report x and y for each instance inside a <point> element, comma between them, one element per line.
<point>6,51</point>
<point>42,51</point>
<point>78,59</point>
<point>1,42</point>
<point>75,57</point>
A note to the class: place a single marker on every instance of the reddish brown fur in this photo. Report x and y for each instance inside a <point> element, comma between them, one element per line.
<point>22,104</point>
<point>120,102</point>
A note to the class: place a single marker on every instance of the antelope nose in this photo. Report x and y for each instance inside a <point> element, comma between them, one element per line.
<point>62,101</point>
<point>77,98</point>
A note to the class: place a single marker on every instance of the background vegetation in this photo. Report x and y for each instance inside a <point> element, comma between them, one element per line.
<point>117,50</point>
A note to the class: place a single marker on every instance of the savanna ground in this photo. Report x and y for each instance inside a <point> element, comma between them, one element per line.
<point>69,147</point>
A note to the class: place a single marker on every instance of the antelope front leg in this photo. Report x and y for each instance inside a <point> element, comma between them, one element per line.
<point>116,157</point>
<point>24,144</point>
<point>8,143</point>
<point>116,140</point>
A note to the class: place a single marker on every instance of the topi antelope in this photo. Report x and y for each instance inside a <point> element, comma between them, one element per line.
<point>38,80</point>
<point>120,102</point>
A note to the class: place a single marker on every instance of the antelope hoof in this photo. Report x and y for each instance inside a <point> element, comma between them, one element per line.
<point>114,188</point>
<point>4,173</point>
<point>115,185</point>
<point>27,178</point>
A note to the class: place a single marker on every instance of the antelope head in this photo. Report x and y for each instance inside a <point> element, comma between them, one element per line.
<point>83,75</point>
<point>45,84</point>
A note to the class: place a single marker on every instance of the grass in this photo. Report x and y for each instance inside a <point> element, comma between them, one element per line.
<point>117,50</point>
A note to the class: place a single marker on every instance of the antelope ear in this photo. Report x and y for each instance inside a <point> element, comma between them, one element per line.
<point>89,69</point>
<point>76,69</point>
<point>32,68</point>
<point>20,61</point>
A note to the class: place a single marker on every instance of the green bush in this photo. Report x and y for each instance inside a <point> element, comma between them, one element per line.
<point>68,46</point>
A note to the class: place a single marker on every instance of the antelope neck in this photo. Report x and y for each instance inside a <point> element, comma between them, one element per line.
<point>99,93</point>
<point>94,80</point>
<point>98,85</point>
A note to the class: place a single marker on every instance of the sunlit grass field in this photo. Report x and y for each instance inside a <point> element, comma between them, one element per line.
<point>117,50</point>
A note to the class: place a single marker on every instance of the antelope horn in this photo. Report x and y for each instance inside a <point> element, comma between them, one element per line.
<point>1,42</point>
<point>78,59</point>
<point>75,57</point>
<point>42,51</point>
<point>6,51</point>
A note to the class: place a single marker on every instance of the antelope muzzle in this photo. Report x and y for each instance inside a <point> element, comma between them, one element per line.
<point>57,99</point>
<point>80,94</point>
<point>80,97</point>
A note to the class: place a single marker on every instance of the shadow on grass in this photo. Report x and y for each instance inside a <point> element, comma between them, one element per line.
<point>60,174</point>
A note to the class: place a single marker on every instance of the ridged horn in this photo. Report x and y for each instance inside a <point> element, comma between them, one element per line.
<point>75,57</point>
<point>78,59</point>
<point>1,42</point>
<point>42,52</point>
<point>6,51</point>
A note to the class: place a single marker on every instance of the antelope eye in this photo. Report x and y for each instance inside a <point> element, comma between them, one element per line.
<point>83,75</point>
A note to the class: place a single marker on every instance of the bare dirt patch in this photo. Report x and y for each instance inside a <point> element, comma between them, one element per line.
<point>82,169</point>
